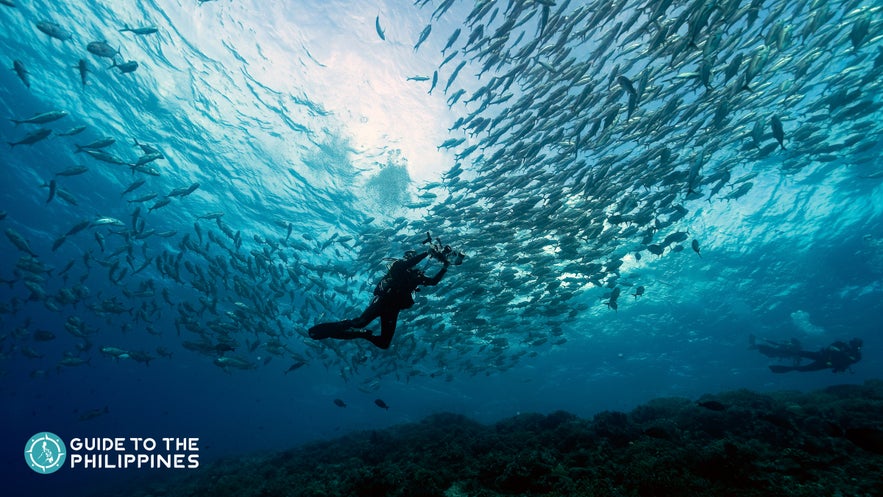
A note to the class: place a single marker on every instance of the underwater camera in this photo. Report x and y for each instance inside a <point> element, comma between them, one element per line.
<point>443,253</point>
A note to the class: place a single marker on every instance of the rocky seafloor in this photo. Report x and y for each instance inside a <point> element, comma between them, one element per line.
<point>741,443</point>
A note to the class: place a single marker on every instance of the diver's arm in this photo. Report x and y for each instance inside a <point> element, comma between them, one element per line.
<point>435,279</point>
<point>413,261</point>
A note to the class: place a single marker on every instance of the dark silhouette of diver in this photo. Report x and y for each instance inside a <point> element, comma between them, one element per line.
<point>838,356</point>
<point>391,295</point>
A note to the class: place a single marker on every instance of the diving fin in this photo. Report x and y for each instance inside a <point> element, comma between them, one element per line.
<point>326,330</point>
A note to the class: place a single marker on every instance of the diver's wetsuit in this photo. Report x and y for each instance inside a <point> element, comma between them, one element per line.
<point>392,294</point>
<point>837,357</point>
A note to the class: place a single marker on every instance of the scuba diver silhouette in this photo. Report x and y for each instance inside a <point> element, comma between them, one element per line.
<point>837,357</point>
<point>392,294</point>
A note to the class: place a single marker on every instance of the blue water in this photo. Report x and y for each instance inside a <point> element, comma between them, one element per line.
<point>300,125</point>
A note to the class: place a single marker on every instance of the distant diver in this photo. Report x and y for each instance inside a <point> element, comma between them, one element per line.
<point>838,356</point>
<point>392,294</point>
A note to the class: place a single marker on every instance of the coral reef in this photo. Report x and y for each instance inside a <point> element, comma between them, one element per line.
<point>740,443</point>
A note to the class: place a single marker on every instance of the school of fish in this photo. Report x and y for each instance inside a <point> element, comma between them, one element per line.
<point>589,132</point>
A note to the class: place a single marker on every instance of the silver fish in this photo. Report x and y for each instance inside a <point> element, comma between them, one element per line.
<point>46,117</point>
<point>423,36</point>
<point>379,30</point>
<point>102,143</point>
<point>145,30</point>
<point>83,68</point>
<point>32,138</point>
<point>102,49</point>
<point>106,157</point>
<point>778,130</point>
<point>19,242</point>
<point>22,73</point>
<point>126,67</point>
<point>134,186</point>
<point>54,30</point>
<point>73,171</point>
<point>73,131</point>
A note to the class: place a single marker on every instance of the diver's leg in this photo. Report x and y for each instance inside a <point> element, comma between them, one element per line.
<point>388,320</point>
<point>370,314</point>
<point>771,351</point>
<point>331,330</point>
<point>813,366</point>
<point>346,329</point>
<point>810,354</point>
<point>349,335</point>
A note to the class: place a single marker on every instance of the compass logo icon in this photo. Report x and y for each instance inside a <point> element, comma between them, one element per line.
<point>45,453</point>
